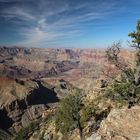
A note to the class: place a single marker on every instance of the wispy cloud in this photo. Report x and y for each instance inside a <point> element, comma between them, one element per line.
<point>49,21</point>
<point>17,12</point>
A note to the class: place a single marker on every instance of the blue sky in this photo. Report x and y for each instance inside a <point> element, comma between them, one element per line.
<point>67,23</point>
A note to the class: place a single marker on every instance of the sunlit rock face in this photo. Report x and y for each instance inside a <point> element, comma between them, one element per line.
<point>121,124</point>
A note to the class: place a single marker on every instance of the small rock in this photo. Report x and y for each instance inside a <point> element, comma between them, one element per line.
<point>95,136</point>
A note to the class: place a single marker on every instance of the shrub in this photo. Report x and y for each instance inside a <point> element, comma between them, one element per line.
<point>68,116</point>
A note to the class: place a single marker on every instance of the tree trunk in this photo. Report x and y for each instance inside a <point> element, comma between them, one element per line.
<point>137,75</point>
<point>80,130</point>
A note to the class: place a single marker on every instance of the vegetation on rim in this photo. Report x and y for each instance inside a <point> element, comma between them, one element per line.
<point>127,89</point>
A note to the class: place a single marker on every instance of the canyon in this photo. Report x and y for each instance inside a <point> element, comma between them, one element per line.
<point>33,80</point>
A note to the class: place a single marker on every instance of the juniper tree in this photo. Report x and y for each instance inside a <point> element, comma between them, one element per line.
<point>136,44</point>
<point>128,87</point>
<point>136,36</point>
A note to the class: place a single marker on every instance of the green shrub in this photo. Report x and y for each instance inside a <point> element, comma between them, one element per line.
<point>92,111</point>
<point>88,112</point>
<point>68,115</point>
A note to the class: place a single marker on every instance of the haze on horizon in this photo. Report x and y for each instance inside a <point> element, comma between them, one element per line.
<point>66,23</point>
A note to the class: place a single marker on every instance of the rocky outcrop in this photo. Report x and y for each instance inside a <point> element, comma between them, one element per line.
<point>32,113</point>
<point>5,135</point>
<point>14,50</point>
<point>27,104</point>
<point>121,124</point>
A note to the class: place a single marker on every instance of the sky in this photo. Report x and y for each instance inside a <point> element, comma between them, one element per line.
<point>67,23</point>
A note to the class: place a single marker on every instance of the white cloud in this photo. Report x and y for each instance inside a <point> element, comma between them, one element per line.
<point>18,13</point>
<point>67,24</point>
<point>34,36</point>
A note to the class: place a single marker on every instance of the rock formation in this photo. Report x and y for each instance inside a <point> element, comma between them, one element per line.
<point>121,124</point>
